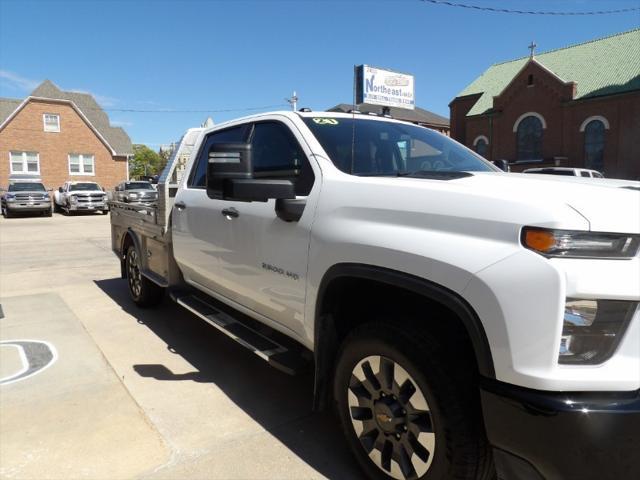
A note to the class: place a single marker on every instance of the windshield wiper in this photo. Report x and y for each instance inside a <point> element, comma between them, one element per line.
<point>435,174</point>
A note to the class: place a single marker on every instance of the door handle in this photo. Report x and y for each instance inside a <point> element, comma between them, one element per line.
<point>180,205</point>
<point>230,213</point>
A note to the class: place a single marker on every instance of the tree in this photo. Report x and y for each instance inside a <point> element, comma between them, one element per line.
<point>165,155</point>
<point>144,162</point>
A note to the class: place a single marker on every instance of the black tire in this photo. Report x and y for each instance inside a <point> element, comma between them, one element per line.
<point>56,207</point>
<point>423,421</point>
<point>143,291</point>
<point>49,212</point>
<point>7,213</point>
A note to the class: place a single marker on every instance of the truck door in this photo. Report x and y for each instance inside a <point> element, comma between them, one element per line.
<point>199,230</point>
<point>261,260</point>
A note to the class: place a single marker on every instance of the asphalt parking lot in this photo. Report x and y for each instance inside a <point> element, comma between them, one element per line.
<point>93,387</point>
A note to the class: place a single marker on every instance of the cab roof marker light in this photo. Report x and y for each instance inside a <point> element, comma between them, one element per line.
<point>580,244</point>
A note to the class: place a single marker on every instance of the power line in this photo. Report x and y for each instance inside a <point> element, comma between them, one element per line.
<point>528,12</point>
<point>171,110</point>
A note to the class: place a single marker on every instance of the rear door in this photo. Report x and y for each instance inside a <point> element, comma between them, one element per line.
<point>199,228</point>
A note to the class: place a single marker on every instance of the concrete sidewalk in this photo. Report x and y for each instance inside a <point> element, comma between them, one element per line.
<point>73,419</point>
<point>211,408</point>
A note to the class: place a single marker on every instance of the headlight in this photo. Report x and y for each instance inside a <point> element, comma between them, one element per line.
<point>10,197</point>
<point>133,195</point>
<point>593,329</point>
<point>46,197</point>
<point>567,243</point>
<point>73,199</point>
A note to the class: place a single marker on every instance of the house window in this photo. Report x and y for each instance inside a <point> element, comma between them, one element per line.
<point>481,147</point>
<point>594,145</point>
<point>81,164</point>
<point>24,162</point>
<point>529,138</point>
<point>51,122</point>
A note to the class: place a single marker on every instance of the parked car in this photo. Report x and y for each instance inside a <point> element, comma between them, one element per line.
<point>458,317</point>
<point>135,192</point>
<point>76,196</point>
<point>25,197</point>
<point>567,171</point>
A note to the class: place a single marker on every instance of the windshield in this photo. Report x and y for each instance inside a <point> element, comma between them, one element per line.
<point>138,186</point>
<point>389,148</point>
<point>27,187</point>
<point>84,186</point>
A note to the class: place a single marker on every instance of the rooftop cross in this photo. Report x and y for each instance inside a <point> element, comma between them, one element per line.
<point>532,47</point>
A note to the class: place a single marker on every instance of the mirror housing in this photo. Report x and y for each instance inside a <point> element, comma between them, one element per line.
<point>258,190</point>
<point>230,176</point>
<point>226,162</point>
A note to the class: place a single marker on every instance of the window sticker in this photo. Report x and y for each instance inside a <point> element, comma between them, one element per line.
<point>325,121</point>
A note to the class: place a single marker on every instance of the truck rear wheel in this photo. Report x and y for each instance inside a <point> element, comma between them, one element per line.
<point>143,291</point>
<point>404,412</point>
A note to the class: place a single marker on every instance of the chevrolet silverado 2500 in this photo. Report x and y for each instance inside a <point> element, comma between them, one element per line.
<point>464,322</point>
<point>76,196</point>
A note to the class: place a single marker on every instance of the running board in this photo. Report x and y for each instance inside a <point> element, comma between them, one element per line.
<point>277,355</point>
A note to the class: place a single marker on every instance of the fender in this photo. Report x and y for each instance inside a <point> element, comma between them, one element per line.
<point>324,336</point>
<point>123,254</point>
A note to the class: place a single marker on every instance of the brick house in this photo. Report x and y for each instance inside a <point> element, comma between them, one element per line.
<point>61,136</point>
<point>419,116</point>
<point>577,106</point>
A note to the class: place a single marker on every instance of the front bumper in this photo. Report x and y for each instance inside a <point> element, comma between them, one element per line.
<point>43,206</point>
<point>540,435</point>
<point>89,207</point>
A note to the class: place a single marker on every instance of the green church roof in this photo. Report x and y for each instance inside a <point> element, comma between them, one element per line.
<point>604,66</point>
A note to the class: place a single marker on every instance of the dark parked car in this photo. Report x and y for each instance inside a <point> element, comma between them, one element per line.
<point>135,192</point>
<point>25,197</point>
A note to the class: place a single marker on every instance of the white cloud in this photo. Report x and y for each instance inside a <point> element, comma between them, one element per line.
<point>17,82</point>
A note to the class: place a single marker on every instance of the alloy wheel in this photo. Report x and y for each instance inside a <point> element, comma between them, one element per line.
<point>133,273</point>
<point>391,417</point>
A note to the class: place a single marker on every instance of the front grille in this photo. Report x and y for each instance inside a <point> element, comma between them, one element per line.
<point>93,197</point>
<point>25,197</point>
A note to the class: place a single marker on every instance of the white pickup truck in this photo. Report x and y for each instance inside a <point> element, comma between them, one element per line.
<point>464,322</point>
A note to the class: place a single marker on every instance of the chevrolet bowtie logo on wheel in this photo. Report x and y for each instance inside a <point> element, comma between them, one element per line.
<point>35,356</point>
<point>383,418</point>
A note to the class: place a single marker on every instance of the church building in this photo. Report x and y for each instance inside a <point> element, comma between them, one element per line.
<point>577,106</point>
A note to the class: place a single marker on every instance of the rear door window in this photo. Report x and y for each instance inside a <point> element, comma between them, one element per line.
<point>198,177</point>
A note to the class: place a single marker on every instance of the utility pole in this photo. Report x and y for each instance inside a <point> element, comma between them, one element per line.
<point>293,101</point>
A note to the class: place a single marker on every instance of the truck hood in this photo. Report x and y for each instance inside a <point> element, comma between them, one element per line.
<point>608,205</point>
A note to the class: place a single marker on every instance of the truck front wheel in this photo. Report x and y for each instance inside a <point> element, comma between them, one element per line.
<point>403,411</point>
<point>143,291</point>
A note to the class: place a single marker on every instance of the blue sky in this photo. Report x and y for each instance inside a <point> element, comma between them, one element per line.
<point>239,55</point>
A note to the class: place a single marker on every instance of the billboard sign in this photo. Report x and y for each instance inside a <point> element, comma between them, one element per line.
<point>377,86</point>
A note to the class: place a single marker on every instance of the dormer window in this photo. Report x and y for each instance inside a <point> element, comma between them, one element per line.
<point>51,122</point>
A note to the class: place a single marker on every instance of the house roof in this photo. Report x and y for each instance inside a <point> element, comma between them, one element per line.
<point>116,137</point>
<point>604,66</point>
<point>418,115</point>
<point>7,107</point>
